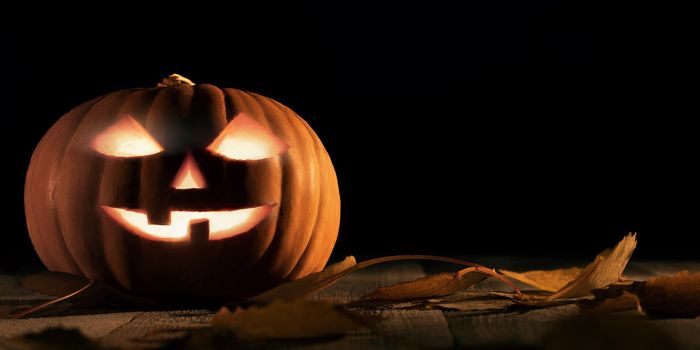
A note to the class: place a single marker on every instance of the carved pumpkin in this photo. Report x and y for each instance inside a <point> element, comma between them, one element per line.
<point>183,192</point>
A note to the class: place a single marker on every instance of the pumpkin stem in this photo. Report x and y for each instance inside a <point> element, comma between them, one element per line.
<point>174,79</point>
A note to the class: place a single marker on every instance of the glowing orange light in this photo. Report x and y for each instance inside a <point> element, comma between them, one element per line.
<point>222,224</point>
<point>245,139</point>
<point>189,176</point>
<point>126,138</point>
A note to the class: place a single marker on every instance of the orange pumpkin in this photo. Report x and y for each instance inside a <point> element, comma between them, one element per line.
<point>183,192</point>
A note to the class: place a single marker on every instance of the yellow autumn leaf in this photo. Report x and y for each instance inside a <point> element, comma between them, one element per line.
<point>547,280</point>
<point>287,319</point>
<point>607,268</point>
<point>431,286</point>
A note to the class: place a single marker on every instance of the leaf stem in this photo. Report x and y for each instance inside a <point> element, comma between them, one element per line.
<point>392,258</point>
<point>52,302</point>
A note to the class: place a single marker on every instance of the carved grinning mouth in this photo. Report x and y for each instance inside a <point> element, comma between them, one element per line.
<point>243,139</point>
<point>222,224</point>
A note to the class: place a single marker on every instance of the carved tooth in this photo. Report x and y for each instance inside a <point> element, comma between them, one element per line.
<point>158,216</point>
<point>199,230</point>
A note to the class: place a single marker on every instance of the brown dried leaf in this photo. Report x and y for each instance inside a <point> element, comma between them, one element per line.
<point>59,284</point>
<point>431,286</point>
<point>288,319</point>
<point>477,305</point>
<point>472,295</point>
<point>50,339</point>
<point>539,303</point>
<point>306,285</point>
<point>547,280</point>
<point>54,283</point>
<point>473,301</point>
<point>317,281</point>
<point>604,270</point>
<point>623,302</point>
<point>675,295</point>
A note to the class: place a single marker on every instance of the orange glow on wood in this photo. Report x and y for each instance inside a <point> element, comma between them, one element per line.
<point>222,224</point>
<point>245,139</point>
<point>126,138</point>
<point>189,176</point>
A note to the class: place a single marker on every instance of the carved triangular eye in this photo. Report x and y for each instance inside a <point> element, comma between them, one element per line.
<point>245,139</point>
<point>125,138</point>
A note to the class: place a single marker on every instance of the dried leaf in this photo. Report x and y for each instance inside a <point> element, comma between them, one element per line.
<point>382,304</point>
<point>547,280</point>
<point>623,302</point>
<point>431,286</point>
<point>539,303</point>
<point>485,302</point>
<point>207,338</point>
<point>431,303</point>
<point>605,269</point>
<point>50,338</point>
<point>315,282</point>
<point>675,295</point>
<point>288,319</point>
<point>306,285</point>
<point>54,283</point>
<point>472,295</point>
<point>59,284</point>
<point>615,289</point>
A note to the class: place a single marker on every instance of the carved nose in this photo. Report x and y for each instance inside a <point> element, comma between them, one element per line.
<point>189,176</point>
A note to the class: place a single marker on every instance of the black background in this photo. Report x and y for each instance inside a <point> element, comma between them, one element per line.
<point>524,129</point>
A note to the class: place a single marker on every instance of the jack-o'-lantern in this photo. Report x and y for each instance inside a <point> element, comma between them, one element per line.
<point>183,192</point>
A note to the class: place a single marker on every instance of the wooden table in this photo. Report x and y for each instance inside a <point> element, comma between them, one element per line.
<point>400,328</point>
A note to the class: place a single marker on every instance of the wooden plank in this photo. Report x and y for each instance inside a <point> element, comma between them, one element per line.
<point>684,332</point>
<point>399,329</point>
<point>93,326</point>
<point>504,329</point>
<point>427,328</point>
<point>152,329</point>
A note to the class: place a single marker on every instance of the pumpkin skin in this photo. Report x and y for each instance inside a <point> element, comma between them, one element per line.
<point>68,182</point>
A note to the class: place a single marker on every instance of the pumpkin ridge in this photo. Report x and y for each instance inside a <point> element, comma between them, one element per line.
<point>330,185</point>
<point>67,258</point>
<point>272,246</point>
<point>331,181</point>
<point>311,251</point>
<point>59,225</point>
<point>314,180</point>
<point>283,267</point>
<point>332,189</point>
<point>66,192</point>
<point>301,268</point>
